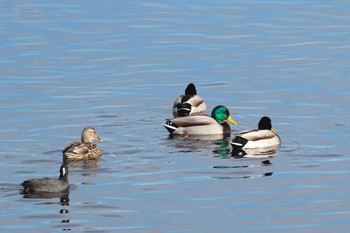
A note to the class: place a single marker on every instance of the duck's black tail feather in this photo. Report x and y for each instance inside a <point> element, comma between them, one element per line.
<point>170,126</point>
<point>239,142</point>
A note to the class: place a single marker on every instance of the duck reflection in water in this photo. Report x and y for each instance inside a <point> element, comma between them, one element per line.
<point>63,195</point>
<point>223,148</point>
<point>199,143</point>
<point>88,164</point>
<point>259,153</point>
<point>63,201</point>
<point>242,171</point>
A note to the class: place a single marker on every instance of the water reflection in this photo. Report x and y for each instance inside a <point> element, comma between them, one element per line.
<point>198,143</point>
<point>263,163</point>
<point>223,148</point>
<point>63,201</point>
<point>243,177</point>
<point>89,164</point>
<point>46,195</point>
<point>259,153</point>
<point>241,173</point>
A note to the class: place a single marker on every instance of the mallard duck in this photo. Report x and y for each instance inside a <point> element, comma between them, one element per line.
<point>48,184</point>
<point>265,136</point>
<point>85,149</point>
<point>189,104</point>
<point>202,124</point>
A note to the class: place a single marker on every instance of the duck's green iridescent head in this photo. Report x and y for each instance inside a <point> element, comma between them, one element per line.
<point>220,113</point>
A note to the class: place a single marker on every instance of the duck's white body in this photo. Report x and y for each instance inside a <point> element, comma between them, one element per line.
<point>256,139</point>
<point>196,125</point>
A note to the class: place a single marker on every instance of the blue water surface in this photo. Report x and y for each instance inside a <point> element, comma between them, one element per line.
<point>119,65</point>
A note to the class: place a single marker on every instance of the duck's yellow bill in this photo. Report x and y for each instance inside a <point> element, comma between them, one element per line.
<point>274,131</point>
<point>232,121</point>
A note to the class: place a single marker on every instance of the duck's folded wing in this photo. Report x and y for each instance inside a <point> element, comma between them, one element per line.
<point>71,146</point>
<point>76,148</point>
<point>245,132</point>
<point>81,150</point>
<point>27,183</point>
<point>254,135</point>
<point>195,100</point>
<point>47,185</point>
<point>193,121</point>
<point>35,183</point>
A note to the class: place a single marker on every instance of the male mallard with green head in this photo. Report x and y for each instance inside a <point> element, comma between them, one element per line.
<point>202,124</point>
<point>189,104</point>
<point>85,149</point>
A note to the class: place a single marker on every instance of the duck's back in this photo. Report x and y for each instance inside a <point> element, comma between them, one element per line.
<point>255,135</point>
<point>71,147</point>
<point>79,150</point>
<point>45,185</point>
<point>256,139</point>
